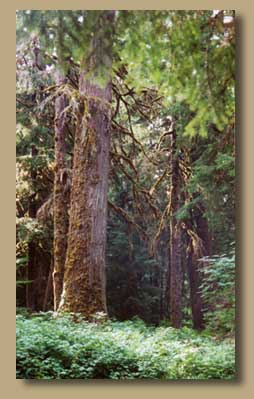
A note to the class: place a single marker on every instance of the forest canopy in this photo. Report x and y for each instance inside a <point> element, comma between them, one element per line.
<point>125,183</point>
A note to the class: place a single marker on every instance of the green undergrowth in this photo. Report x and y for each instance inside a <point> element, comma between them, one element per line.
<point>58,348</point>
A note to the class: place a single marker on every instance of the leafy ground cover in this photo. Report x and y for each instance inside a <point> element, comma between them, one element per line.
<point>59,348</point>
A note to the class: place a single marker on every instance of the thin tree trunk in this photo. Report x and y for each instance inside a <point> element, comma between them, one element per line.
<point>84,278</point>
<point>31,300</point>
<point>203,229</point>
<point>31,276</point>
<point>176,270</point>
<point>176,276</point>
<point>195,296</point>
<point>195,251</point>
<point>49,287</point>
<point>60,199</point>
<point>204,233</point>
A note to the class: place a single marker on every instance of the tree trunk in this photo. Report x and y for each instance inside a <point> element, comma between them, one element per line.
<point>203,229</point>
<point>60,199</point>
<point>84,278</point>
<point>199,223</point>
<point>176,270</point>
<point>204,233</point>
<point>31,276</point>
<point>194,280</point>
<point>176,276</point>
<point>31,299</point>
<point>49,288</point>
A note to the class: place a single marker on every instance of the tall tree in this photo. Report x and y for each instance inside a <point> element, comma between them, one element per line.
<point>84,277</point>
<point>176,240</point>
<point>32,273</point>
<point>61,196</point>
<point>34,269</point>
<point>194,252</point>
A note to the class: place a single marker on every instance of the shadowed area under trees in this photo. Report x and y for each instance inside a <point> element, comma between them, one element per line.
<point>126,188</point>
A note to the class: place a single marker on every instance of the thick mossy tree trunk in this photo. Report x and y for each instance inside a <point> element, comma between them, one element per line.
<point>176,242</point>
<point>61,198</point>
<point>84,277</point>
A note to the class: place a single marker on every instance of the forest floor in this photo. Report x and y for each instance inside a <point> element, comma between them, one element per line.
<point>58,348</point>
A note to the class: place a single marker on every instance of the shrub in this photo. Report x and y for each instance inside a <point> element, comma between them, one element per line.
<point>218,292</point>
<point>58,348</point>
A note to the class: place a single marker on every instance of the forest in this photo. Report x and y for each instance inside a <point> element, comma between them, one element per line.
<point>125,194</point>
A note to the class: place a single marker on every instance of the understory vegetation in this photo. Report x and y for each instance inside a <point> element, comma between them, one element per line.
<point>49,348</point>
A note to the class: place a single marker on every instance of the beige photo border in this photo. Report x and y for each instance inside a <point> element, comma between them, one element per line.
<point>36,389</point>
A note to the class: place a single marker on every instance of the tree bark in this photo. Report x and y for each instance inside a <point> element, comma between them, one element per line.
<point>61,199</point>
<point>84,277</point>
